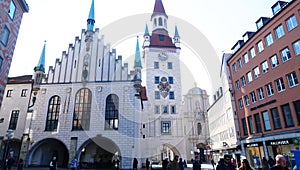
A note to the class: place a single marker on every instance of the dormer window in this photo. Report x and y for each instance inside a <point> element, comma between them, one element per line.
<point>276,8</point>
<point>259,24</point>
<point>161,37</point>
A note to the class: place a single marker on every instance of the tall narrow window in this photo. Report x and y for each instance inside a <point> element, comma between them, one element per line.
<point>296,46</point>
<point>291,23</point>
<point>269,39</point>
<point>246,98</point>
<point>13,120</point>
<point>53,113</point>
<point>280,85</point>
<point>82,109</point>
<point>249,76</point>
<point>245,130</point>
<point>234,68</point>
<point>285,54</point>
<point>165,127</point>
<point>199,128</point>
<point>250,124</point>
<point>260,46</point>
<point>241,104</point>
<point>240,64</point>
<point>265,66</point>
<point>292,79</point>
<point>237,84</point>
<point>243,80</point>
<point>297,109</point>
<point>112,112</point>
<point>279,31</point>
<point>1,61</point>
<point>24,93</point>
<point>4,35</point>
<point>260,93</point>
<point>257,123</point>
<point>274,61</point>
<point>173,109</point>
<point>246,58</point>
<point>12,9</point>
<point>171,95</point>
<point>276,118</point>
<point>253,97</point>
<point>160,22</point>
<point>269,89</point>
<point>266,119</point>
<point>252,52</point>
<point>287,114</point>
<point>256,72</point>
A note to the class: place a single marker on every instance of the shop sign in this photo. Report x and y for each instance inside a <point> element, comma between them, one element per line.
<point>280,142</point>
<point>252,145</point>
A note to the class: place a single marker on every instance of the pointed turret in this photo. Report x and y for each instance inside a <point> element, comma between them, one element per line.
<point>159,17</point>
<point>137,68</point>
<point>146,37</point>
<point>176,37</point>
<point>91,18</point>
<point>39,70</point>
<point>137,59</point>
<point>159,9</point>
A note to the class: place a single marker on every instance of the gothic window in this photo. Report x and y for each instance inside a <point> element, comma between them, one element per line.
<point>112,112</point>
<point>82,109</point>
<point>155,22</point>
<point>160,22</point>
<point>166,127</point>
<point>199,128</point>
<point>13,120</point>
<point>53,113</point>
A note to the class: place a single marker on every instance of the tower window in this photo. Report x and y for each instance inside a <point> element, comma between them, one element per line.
<point>4,35</point>
<point>161,37</point>
<point>160,22</point>
<point>155,22</point>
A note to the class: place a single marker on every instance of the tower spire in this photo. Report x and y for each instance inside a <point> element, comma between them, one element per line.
<point>137,59</point>
<point>159,9</point>
<point>91,18</point>
<point>41,64</point>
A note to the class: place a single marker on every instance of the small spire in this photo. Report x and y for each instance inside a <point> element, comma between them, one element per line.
<point>137,59</point>
<point>91,19</point>
<point>41,64</point>
<point>159,8</point>
<point>146,31</point>
<point>176,32</point>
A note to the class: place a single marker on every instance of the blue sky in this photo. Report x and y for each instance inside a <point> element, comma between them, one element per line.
<point>223,22</point>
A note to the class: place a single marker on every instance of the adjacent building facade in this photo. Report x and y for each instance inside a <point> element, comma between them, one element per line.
<point>11,13</point>
<point>265,75</point>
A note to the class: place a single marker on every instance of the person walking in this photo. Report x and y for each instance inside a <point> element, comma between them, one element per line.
<point>10,162</point>
<point>74,163</point>
<point>147,164</point>
<point>181,164</point>
<point>135,164</point>
<point>53,163</point>
<point>165,164</point>
<point>280,163</point>
<point>20,164</point>
<point>174,164</point>
<point>197,163</point>
<point>225,164</point>
<point>265,165</point>
<point>245,165</point>
<point>212,163</point>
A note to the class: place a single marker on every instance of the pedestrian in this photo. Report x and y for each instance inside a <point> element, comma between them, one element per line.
<point>271,162</point>
<point>53,163</point>
<point>280,163</point>
<point>197,163</point>
<point>234,163</point>
<point>74,163</point>
<point>174,165</point>
<point>245,165</point>
<point>265,165</point>
<point>212,163</point>
<point>10,162</point>
<point>225,164</point>
<point>135,164</point>
<point>165,164</point>
<point>181,164</point>
<point>147,164</point>
<point>20,164</point>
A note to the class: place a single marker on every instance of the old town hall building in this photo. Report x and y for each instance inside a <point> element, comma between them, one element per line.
<point>92,106</point>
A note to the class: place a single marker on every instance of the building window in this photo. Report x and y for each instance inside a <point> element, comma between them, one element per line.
<point>292,79</point>
<point>274,61</point>
<point>240,65</point>
<point>170,65</point>
<point>296,46</point>
<point>160,22</point>
<point>171,80</point>
<point>112,112</point>
<point>285,54</point>
<point>297,109</point>
<point>234,68</point>
<point>237,84</point>
<point>4,35</point>
<point>155,22</point>
<point>241,103</point>
<point>13,120</point>
<point>269,89</point>
<point>157,95</point>
<point>171,95</point>
<point>156,109</point>
<point>280,85</point>
<point>287,114</point>
<point>252,52</point>
<point>266,121</point>
<point>24,93</point>
<point>260,93</point>
<point>165,127</point>
<point>12,9</point>
<point>249,76</point>
<point>1,62</point>
<point>256,72</point>
<point>156,65</point>
<point>245,130</point>
<point>279,31</point>
<point>199,128</point>
<point>250,124</point>
<point>9,93</point>
<point>246,99</point>
<point>82,110</point>
<point>243,80</point>
<point>276,118</point>
<point>265,67</point>
<point>173,109</point>
<point>257,123</point>
<point>246,58</point>
<point>260,46</point>
<point>269,39</point>
<point>165,109</point>
<point>161,37</point>
<point>291,23</point>
<point>156,80</point>
<point>53,113</point>
<point>253,97</point>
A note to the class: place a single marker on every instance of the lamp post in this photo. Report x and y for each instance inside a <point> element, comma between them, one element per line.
<point>8,135</point>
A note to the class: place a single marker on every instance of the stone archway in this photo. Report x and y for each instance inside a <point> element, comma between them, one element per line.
<point>42,152</point>
<point>166,151</point>
<point>99,152</point>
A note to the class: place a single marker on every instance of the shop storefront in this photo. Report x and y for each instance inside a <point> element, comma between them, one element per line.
<point>254,154</point>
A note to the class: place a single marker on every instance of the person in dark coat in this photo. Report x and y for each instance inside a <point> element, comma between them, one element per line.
<point>245,165</point>
<point>181,164</point>
<point>225,164</point>
<point>147,164</point>
<point>212,163</point>
<point>165,164</point>
<point>135,164</point>
<point>280,163</point>
<point>10,162</point>
<point>53,163</point>
<point>197,163</point>
<point>265,165</point>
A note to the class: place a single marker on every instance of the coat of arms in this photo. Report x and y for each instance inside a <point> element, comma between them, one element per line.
<point>164,87</point>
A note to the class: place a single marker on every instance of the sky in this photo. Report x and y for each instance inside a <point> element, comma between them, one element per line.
<point>222,22</point>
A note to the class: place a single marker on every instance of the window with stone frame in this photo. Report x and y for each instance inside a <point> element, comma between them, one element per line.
<point>53,113</point>
<point>266,120</point>
<point>276,118</point>
<point>166,127</point>
<point>257,123</point>
<point>112,112</point>
<point>287,114</point>
<point>13,120</point>
<point>199,128</point>
<point>292,79</point>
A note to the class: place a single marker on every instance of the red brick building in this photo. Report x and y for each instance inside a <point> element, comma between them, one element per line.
<point>11,13</point>
<point>265,71</point>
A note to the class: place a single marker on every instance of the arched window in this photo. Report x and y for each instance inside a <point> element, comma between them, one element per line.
<point>160,22</point>
<point>82,110</point>
<point>112,112</point>
<point>52,113</point>
<point>165,23</point>
<point>155,22</point>
<point>199,128</point>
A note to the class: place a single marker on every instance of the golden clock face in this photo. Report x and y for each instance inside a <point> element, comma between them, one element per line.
<point>163,56</point>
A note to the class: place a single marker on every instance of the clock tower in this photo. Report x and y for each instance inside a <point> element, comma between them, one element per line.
<point>162,115</point>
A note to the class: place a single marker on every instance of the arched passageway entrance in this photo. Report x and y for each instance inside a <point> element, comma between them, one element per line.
<point>165,151</point>
<point>99,152</point>
<point>43,151</point>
